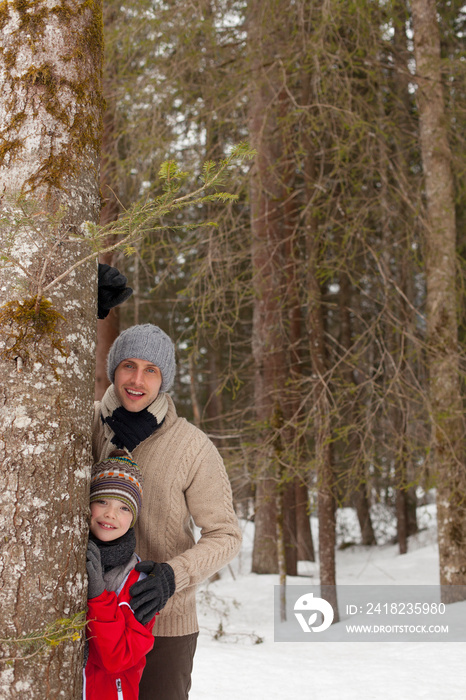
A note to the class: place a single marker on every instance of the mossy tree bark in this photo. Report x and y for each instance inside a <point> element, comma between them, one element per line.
<point>442,315</point>
<point>50,124</point>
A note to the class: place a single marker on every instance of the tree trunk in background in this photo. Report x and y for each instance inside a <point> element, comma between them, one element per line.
<point>290,528</point>
<point>193,390</point>
<point>442,319</point>
<point>326,501</point>
<point>407,499</point>
<point>292,393</point>
<point>107,328</point>
<point>107,331</point>
<point>268,347</point>
<point>214,406</point>
<point>50,117</point>
<point>398,230</point>
<point>401,471</point>
<point>326,506</point>
<point>357,481</point>
<point>305,542</point>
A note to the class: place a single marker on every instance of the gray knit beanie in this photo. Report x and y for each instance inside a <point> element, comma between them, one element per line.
<point>145,342</point>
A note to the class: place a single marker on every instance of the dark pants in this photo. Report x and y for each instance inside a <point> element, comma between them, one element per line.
<point>167,675</point>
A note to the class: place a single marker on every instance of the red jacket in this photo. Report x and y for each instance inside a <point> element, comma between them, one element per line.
<point>118,645</point>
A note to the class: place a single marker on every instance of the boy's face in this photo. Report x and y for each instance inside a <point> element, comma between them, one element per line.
<point>137,383</point>
<point>110,519</point>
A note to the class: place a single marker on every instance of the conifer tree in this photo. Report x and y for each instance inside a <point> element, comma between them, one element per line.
<point>446,409</point>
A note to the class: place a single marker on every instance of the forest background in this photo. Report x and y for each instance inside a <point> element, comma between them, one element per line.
<point>320,318</point>
<point>318,315</point>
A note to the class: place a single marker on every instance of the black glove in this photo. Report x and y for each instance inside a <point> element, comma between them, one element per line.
<point>150,595</point>
<point>112,289</point>
<point>96,584</point>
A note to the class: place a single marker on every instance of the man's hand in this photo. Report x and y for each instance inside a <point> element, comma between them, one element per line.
<point>96,584</point>
<point>151,594</point>
<point>112,289</point>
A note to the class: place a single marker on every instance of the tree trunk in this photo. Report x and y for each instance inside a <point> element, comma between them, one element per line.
<point>357,479</point>
<point>442,321</point>
<point>107,331</point>
<point>267,264</point>
<point>214,407</point>
<point>400,346</point>
<point>290,528</point>
<point>401,520</point>
<point>265,559</point>
<point>281,552</point>
<point>50,123</point>
<point>326,502</point>
<point>107,328</point>
<point>193,392</point>
<point>305,542</point>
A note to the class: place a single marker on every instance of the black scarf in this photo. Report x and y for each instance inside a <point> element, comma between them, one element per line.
<point>116,552</point>
<point>131,428</point>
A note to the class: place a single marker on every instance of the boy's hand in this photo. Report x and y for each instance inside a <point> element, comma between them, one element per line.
<point>151,594</point>
<point>96,584</point>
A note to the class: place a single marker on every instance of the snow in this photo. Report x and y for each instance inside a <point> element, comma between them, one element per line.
<point>241,607</point>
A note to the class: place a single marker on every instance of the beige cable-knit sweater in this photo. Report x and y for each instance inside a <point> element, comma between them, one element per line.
<point>184,476</point>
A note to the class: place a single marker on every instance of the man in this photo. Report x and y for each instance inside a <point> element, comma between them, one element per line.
<point>184,479</point>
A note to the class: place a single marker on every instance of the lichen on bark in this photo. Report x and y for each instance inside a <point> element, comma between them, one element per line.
<point>51,81</point>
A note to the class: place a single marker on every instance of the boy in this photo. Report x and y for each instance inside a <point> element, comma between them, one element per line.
<point>117,642</point>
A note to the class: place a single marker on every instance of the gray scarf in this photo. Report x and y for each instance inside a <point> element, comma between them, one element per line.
<point>118,558</point>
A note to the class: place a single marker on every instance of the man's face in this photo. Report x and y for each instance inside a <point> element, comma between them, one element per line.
<point>137,383</point>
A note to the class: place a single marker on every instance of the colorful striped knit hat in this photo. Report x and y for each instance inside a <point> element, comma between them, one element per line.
<point>118,476</point>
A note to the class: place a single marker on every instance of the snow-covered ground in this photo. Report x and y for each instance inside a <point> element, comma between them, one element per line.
<point>237,657</point>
